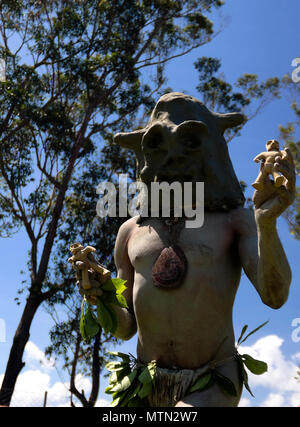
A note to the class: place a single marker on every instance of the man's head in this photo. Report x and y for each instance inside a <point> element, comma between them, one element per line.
<point>272,145</point>
<point>183,141</point>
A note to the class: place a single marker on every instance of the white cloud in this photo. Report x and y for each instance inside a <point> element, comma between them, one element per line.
<point>279,381</point>
<point>30,389</point>
<point>294,400</point>
<point>102,403</point>
<point>32,385</point>
<point>34,355</point>
<point>296,357</point>
<point>274,400</point>
<point>244,402</point>
<point>36,379</point>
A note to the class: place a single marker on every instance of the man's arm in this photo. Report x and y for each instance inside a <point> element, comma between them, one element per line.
<point>260,249</point>
<point>263,258</point>
<point>126,319</point>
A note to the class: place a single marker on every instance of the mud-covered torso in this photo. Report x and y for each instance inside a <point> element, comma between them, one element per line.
<point>183,325</point>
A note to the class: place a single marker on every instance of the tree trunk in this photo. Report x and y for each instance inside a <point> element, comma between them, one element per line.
<point>95,370</point>
<point>15,363</point>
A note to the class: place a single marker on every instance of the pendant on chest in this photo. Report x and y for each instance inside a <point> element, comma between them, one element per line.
<point>169,268</point>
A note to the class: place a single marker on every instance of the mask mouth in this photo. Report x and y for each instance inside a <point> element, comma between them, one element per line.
<point>171,179</point>
<point>175,177</point>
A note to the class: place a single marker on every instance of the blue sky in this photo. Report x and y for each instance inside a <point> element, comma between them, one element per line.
<point>260,37</point>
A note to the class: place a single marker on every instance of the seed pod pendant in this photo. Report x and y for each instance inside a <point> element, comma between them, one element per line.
<point>170,267</point>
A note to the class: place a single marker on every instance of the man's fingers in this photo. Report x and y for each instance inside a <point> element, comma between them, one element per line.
<point>269,192</point>
<point>80,265</point>
<point>95,290</point>
<point>289,156</point>
<point>288,171</point>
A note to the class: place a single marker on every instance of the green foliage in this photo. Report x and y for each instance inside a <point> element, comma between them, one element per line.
<point>130,386</point>
<point>89,326</point>
<point>213,376</point>
<point>202,383</point>
<point>246,94</point>
<point>106,317</point>
<point>290,136</point>
<point>77,74</point>
<point>255,366</point>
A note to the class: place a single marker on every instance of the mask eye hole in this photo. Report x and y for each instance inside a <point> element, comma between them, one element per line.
<point>191,142</point>
<point>153,141</point>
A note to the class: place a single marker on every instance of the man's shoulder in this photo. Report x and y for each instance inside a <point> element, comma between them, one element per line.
<point>243,220</point>
<point>127,228</point>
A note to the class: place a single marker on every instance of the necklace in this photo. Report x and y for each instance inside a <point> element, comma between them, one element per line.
<point>169,268</point>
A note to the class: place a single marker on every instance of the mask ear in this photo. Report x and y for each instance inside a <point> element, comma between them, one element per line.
<point>193,126</point>
<point>130,140</point>
<point>229,120</point>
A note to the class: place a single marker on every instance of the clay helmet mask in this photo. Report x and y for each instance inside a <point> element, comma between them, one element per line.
<point>184,141</point>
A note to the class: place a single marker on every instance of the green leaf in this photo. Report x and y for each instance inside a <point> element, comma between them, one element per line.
<point>91,326</point>
<point>116,401</point>
<point>257,367</point>
<point>123,356</point>
<point>242,333</point>
<point>115,285</point>
<point>131,393</point>
<point>108,389</point>
<point>125,383</point>
<point>226,384</point>
<point>113,319</point>
<point>146,376</point>
<point>119,285</point>
<point>122,301</point>
<point>113,298</point>
<point>110,297</point>
<point>113,378</point>
<point>116,366</point>
<point>145,390</point>
<point>108,286</point>
<point>82,327</point>
<point>201,383</point>
<point>136,390</point>
<point>104,316</point>
<point>254,330</point>
<point>243,374</point>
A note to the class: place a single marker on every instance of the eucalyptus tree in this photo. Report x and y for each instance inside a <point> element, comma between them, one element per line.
<point>74,74</point>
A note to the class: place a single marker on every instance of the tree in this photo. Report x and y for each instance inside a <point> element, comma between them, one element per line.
<point>73,75</point>
<point>82,224</point>
<point>67,343</point>
<point>289,134</point>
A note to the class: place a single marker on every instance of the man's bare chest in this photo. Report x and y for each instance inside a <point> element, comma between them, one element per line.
<point>201,246</point>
